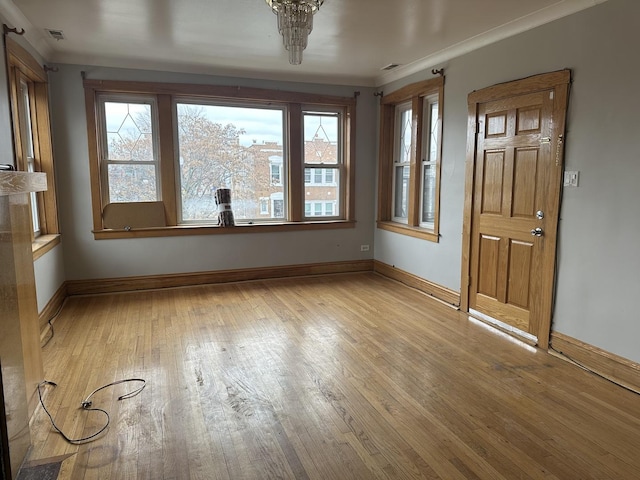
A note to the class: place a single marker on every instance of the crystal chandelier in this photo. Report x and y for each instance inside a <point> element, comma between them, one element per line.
<point>295,22</point>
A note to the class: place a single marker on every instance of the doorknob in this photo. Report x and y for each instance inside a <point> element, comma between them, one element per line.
<point>537,232</point>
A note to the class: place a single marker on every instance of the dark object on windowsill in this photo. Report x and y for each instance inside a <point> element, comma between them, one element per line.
<point>6,167</point>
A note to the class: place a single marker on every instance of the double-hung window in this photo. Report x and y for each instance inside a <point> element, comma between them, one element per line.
<point>410,150</point>
<point>32,139</point>
<point>130,167</point>
<point>286,157</point>
<point>323,163</point>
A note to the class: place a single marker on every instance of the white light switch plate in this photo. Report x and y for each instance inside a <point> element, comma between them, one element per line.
<point>571,179</point>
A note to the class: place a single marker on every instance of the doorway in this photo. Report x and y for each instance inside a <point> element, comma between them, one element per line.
<point>512,195</point>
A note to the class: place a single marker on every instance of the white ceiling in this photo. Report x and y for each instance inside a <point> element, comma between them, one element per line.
<point>351,41</point>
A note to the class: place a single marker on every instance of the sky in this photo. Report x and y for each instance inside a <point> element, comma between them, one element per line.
<point>260,124</point>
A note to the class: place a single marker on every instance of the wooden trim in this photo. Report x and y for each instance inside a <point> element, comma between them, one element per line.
<point>616,368</point>
<point>415,165</point>
<point>349,161</point>
<point>441,107</point>
<point>181,230</point>
<point>125,284</point>
<point>94,156</point>
<point>469,176</point>
<point>216,91</point>
<point>52,307</point>
<point>415,232</point>
<point>44,244</point>
<point>19,56</point>
<point>167,144</point>
<point>534,83</point>
<point>415,89</point>
<point>438,291</point>
<point>385,162</point>
<point>45,154</point>
<point>294,152</point>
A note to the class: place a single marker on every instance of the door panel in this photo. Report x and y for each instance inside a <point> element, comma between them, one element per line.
<point>514,164</point>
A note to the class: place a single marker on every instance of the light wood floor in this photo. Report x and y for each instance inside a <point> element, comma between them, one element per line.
<point>335,377</point>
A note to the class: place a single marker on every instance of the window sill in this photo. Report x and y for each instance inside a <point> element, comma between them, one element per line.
<point>402,229</point>
<point>43,244</point>
<point>182,230</point>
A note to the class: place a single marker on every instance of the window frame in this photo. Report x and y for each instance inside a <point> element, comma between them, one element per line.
<point>22,67</point>
<point>104,147</point>
<point>319,170</point>
<point>293,177</point>
<point>417,94</point>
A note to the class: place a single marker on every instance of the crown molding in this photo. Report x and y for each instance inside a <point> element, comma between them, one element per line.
<point>522,24</point>
<point>34,37</point>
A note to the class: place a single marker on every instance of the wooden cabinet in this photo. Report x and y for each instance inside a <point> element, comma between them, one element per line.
<point>20,353</point>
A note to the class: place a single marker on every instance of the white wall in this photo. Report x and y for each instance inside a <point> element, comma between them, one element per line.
<point>49,273</point>
<point>86,258</point>
<point>598,259</point>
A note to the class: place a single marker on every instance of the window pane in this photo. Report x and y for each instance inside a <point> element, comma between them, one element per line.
<point>428,193</point>
<point>26,131</point>
<point>278,208</point>
<point>322,193</point>
<point>264,206</point>
<point>401,192</point>
<point>404,134</point>
<point>433,132</point>
<point>317,209</point>
<point>328,176</point>
<point>132,183</point>
<point>240,148</point>
<point>328,209</point>
<point>129,131</point>
<point>26,114</point>
<point>320,137</point>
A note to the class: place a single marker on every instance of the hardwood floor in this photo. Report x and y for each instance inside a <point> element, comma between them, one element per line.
<point>335,377</point>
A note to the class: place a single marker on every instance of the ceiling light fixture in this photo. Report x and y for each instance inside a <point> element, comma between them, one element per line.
<point>295,22</point>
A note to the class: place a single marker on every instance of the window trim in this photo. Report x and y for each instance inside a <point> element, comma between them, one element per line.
<point>22,66</point>
<point>104,147</point>
<point>294,175</point>
<point>416,93</point>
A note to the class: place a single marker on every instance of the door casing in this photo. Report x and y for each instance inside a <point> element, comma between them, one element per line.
<point>559,82</point>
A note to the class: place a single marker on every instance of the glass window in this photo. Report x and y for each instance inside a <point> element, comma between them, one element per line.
<point>210,141</point>
<point>402,161</point>
<point>411,130</point>
<point>430,149</point>
<point>26,133</point>
<point>235,147</point>
<point>322,159</point>
<point>328,176</point>
<point>328,209</point>
<point>130,152</point>
<point>32,146</point>
<point>264,206</point>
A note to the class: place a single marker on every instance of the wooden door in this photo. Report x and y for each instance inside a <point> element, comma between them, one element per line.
<point>515,151</point>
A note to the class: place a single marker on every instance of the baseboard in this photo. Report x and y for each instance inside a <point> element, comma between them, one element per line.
<point>438,291</point>
<point>616,368</point>
<point>52,307</point>
<point>150,282</point>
